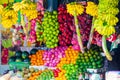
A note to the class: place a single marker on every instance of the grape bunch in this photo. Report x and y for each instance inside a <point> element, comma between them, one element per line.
<point>66,26</point>
<point>51,29</point>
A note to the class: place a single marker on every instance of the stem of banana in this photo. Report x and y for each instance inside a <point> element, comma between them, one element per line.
<point>106,52</point>
<point>25,31</point>
<point>91,35</point>
<point>29,25</point>
<point>23,24</point>
<point>78,34</point>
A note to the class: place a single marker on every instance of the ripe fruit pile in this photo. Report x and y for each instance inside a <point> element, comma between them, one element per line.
<point>90,59</point>
<point>72,72</point>
<point>61,75</point>
<point>32,37</point>
<point>20,56</point>
<point>27,73</point>
<point>66,25</point>
<point>51,26</point>
<point>97,39</point>
<point>53,56</point>
<point>34,75</point>
<point>75,42</point>
<point>56,71</point>
<point>46,75</point>
<point>70,57</point>
<point>85,23</point>
<point>4,57</point>
<point>37,58</point>
<point>107,19</point>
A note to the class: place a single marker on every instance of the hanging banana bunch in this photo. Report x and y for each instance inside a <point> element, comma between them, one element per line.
<point>27,8</point>
<point>8,16</point>
<point>106,21</point>
<point>91,9</point>
<point>76,9</point>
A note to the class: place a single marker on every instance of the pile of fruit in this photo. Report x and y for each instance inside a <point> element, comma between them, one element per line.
<point>85,22</point>
<point>70,57</point>
<point>90,59</point>
<point>32,38</point>
<point>72,72</point>
<point>61,75</point>
<point>34,75</point>
<point>46,75</point>
<point>20,56</point>
<point>65,32</point>
<point>37,58</point>
<point>30,73</point>
<point>53,56</point>
<point>66,26</point>
<point>50,26</point>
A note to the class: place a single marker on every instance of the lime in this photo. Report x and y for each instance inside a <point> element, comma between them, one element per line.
<point>55,12</point>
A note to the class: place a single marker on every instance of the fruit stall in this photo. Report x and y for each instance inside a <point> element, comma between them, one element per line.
<point>59,39</point>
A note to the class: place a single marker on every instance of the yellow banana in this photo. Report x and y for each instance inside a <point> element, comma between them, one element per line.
<point>92,9</point>
<point>1,9</point>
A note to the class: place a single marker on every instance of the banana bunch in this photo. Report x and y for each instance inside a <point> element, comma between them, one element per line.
<point>106,20</point>
<point>109,19</point>
<point>1,9</point>
<point>30,11</point>
<point>107,9</point>
<point>75,8</point>
<point>92,9</point>
<point>113,11</point>
<point>27,8</point>
<point>19,6</point>
<point>110,3</point>
<point>30,14</point>
<point>103,29</point>
<point>9,18</point>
